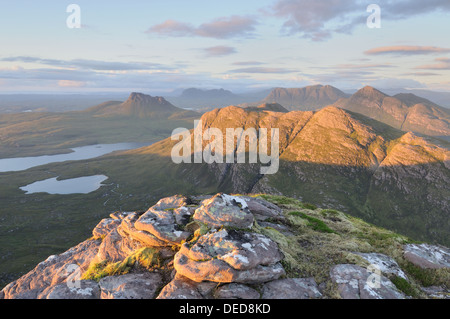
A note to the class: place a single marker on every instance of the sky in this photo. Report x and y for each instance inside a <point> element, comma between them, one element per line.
<point>162,46</point>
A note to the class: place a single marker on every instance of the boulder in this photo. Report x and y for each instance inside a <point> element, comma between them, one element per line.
<point>184,288</point>
<point>171,202</point>
<point>105,226</point>
<point>236,291</point>
<point>147,239</point>
<point>162,224</point>
<point>54,270</point>
<point>130,286</point>
<point>224,210</point>
<point>86,289</point>
<point>355,282</point>
<point>386,264</point>
<point>230,256</point>
<point>291,288</point>
<point>263,209</point>
<point>115,247</point>
<point>427,256</point>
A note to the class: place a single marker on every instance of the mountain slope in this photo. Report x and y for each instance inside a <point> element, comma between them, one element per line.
<point>406,112</point>
<point>305,99</point>
<point>142,106</point>
<point>336,159</point>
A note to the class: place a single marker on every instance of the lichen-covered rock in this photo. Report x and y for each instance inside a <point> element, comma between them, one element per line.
<point>355,282</point>
<point>291,288</point>
<point>184,288</point>
<point>54,270</point>
<point>236,291</point>
<point>147,239</point>
<point>105,226</point>
<point>130,286</point>
<point>386,264</point>
<point>87,289</point>
<point>225,210</point>
<point>183,215</point>
<point>263,209</point>
<point>115,247</point>
<point>230,256</point>
<point>427,256</point>
<point>171,202</point>
<point>162,224</point>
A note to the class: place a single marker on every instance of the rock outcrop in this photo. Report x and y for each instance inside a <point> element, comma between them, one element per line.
<point>236,247</point>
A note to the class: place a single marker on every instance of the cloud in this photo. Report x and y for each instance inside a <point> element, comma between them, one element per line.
<point>220,50</point>
<point>319,20</point>
<point>406,50</point>
<point>67,83</point>
<point>421,74</point>
<point>220,28</point>
<point>248,63</point>
<point>263,70</point>
<point>442,64</point>
<point>89,64</point>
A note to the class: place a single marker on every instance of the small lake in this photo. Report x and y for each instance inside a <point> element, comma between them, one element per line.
<point>81,185</point>
<point>78,153</point>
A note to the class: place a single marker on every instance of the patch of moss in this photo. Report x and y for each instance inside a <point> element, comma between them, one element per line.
<point>404,286</point>
<point>103,269</point>
<point>428,277</point>
<point>314,223</point>
<point>148,258</point>
<point>309,206</point>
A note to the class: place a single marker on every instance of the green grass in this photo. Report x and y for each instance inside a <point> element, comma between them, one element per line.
<point>314,223</point>
<point>148,258</point>
<point>404,286</point>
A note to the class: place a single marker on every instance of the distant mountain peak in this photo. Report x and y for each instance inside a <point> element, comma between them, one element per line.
<point>141,98</point>
<point>370,91</point>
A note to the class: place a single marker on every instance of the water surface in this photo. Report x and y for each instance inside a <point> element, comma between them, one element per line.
<point>79,153</point>
<point>80,185</point>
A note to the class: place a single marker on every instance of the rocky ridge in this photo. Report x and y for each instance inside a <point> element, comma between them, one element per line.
<point>239,247</point>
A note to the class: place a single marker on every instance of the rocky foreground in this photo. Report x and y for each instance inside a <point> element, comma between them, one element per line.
<point>239,247</point>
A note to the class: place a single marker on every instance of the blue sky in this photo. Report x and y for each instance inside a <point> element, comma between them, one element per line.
<point>160,46</point>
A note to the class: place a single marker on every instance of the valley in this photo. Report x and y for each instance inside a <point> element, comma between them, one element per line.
<point>331,158</point>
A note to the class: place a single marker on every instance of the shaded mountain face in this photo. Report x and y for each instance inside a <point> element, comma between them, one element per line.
<point>332,158</point>
<point>142,106</point>
<point>305,99</point>
<point>272,107</point>
<point>406,112</point>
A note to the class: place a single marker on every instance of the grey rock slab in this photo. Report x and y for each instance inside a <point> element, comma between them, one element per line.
<point>86,289</point>
<point>355,282</point>
<point>230,256</point>
<point>147,239</point>
<point>427,256</point>
<point>224,210</point>
<point>115,247</point>
<point>162,224</point>
<point>386,264</point>
<point>171,202</point>
<point>130,286</point>
<point>105,226</point>
<point>263,209</point>
<point>291,288</point>
<point>54,270</point>
<point>184,288</point>
<point>236,291</point>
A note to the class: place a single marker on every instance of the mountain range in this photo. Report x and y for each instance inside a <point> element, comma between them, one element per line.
<point>332,157</point>
<point>406,112</point>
